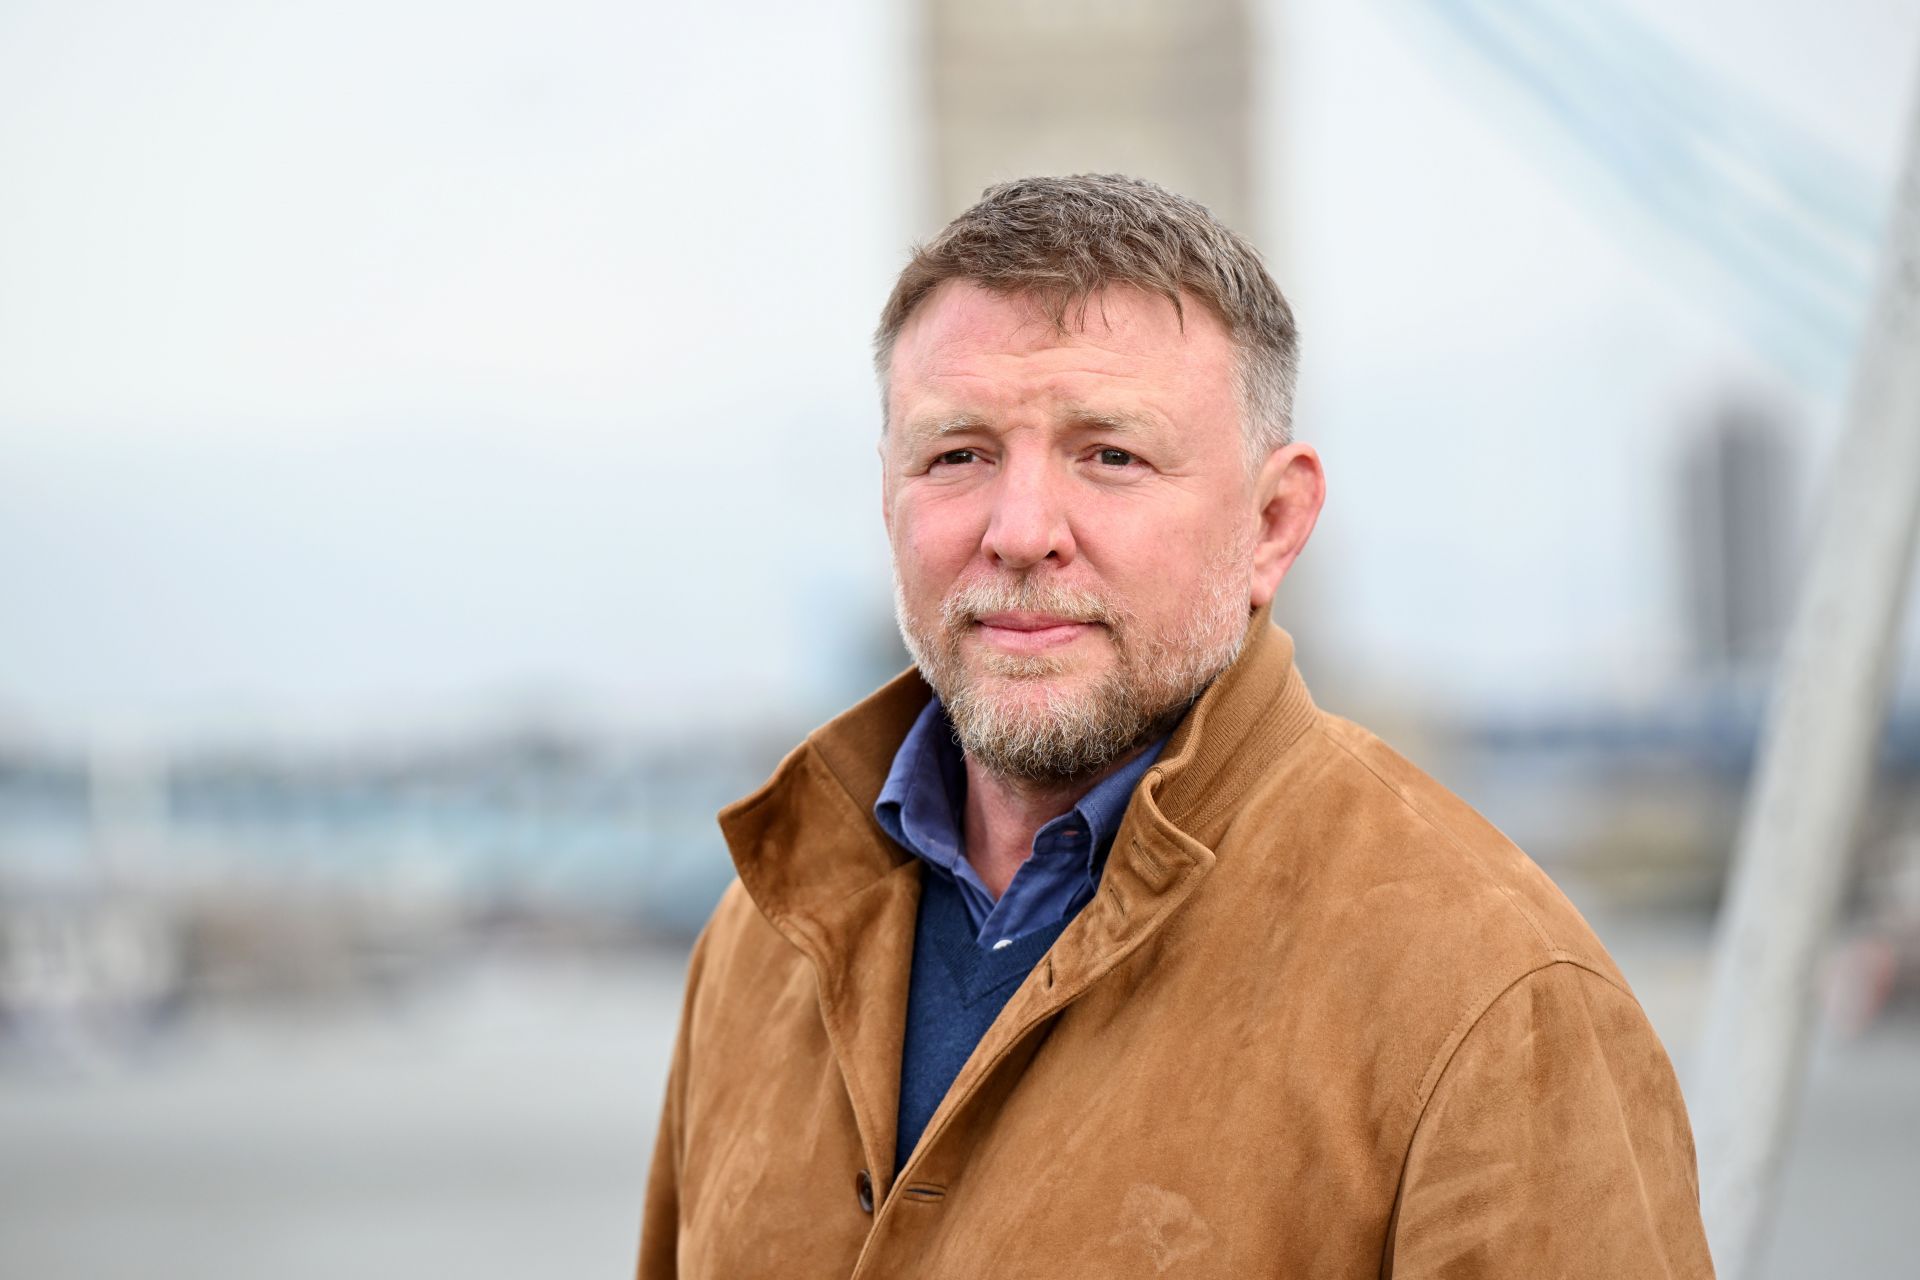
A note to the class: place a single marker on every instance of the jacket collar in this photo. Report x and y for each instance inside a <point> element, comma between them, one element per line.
<point>806,842</point>
<point>816,864</point>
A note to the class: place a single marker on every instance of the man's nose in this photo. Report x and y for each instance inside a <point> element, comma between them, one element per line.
<point>1029,522</point>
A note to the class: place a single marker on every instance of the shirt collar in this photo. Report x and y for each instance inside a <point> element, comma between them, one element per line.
<point>921,804</point>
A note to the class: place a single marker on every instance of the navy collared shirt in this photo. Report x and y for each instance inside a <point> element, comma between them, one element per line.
<point>921,808</point>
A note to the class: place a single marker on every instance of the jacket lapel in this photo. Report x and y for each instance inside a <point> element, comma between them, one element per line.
<point>812,859</point>
<point>1256,709</point>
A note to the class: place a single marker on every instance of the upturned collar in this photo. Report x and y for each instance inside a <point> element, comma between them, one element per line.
<point>807,839</point>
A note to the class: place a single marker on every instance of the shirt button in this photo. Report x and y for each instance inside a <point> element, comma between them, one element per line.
<point>1004,942</point>
<point>863,1188</point>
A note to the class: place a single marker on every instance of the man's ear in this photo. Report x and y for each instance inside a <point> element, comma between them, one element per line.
<point>1288,494</point>
<point>886,485</point>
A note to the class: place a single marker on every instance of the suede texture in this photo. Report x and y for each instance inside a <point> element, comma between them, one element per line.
<point>1321,1020</point>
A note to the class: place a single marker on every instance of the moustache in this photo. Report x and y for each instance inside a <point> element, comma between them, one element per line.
<point>974,600</point>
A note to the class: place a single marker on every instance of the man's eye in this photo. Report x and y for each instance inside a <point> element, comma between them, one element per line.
<point>1113,457</point>
<point>955,458</point>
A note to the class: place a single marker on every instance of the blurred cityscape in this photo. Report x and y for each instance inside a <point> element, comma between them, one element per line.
<point>434,478</point>
<point>132,888</point>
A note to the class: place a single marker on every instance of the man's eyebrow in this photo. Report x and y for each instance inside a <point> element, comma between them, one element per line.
<point>937,428</point>
<point>1116,420</point>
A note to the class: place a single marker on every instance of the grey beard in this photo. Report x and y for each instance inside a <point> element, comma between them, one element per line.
<point>1076,734</point>
<point>1071,740</point>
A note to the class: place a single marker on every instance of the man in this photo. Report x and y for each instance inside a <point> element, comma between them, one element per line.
<point>1091,947</point>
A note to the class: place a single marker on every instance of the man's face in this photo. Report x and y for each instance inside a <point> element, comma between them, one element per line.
<point>1073,523</point>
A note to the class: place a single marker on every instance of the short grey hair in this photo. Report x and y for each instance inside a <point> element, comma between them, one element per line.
<point>1063,240</point>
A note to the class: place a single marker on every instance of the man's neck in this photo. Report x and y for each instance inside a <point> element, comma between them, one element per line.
<point>1003,816</point>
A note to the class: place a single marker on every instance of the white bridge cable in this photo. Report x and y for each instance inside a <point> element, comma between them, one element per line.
<point>1781,229</point>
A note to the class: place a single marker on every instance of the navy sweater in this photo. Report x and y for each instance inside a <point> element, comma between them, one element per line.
<point>957,989</point>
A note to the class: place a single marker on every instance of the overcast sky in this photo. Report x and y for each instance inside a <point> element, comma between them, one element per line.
<point>364,363</point>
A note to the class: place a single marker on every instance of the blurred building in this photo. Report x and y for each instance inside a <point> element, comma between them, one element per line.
<point>1157,88</point>
<point>1740,536</point>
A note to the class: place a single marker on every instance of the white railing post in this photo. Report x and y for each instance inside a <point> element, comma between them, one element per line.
<point>1816,759</point>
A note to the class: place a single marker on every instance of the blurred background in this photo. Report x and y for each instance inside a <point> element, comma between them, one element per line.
<point>437,472</point>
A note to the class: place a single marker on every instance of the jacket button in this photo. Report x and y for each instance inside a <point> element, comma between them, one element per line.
<point>863,1188</point>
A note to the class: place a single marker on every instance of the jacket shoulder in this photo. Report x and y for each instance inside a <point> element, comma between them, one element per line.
<point>1421,911</point>
<point>1478,881</point>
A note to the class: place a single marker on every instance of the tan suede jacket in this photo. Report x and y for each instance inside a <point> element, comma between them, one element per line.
<point>1321,1020</point>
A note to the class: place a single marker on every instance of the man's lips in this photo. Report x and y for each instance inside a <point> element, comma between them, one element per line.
<point>1022,632</point>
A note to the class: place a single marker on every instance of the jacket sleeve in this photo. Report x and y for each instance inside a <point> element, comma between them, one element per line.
<point>1553,1142</point>
<point>660,1218</point>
